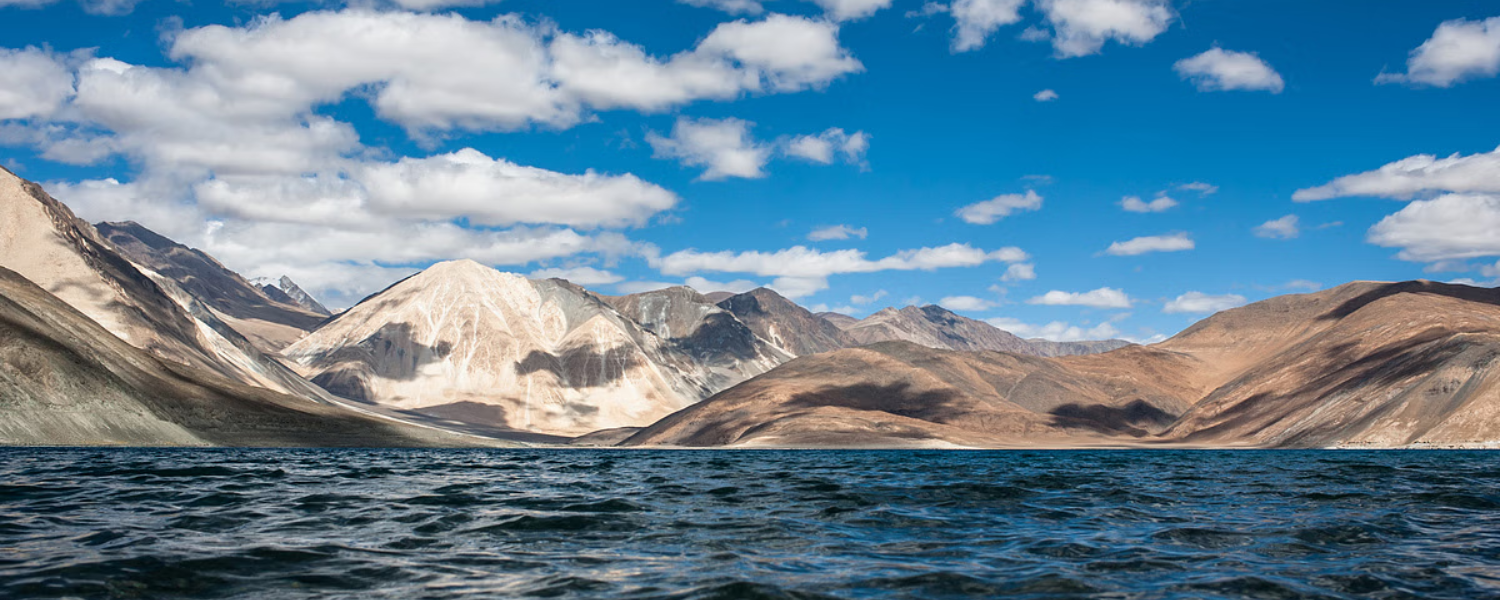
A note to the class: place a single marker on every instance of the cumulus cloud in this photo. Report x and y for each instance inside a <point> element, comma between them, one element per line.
<point>1224,70</point>
<point>1101,298</point>
<point>1414,176</point>
<point>724,148</point>
<point>966,303</point>
<point>999,207</point>
<point>1201,303</point>
<point>1449,227</point>
<point>1135,204</point>
<point>498,192</point>
<point>824,147</point>
<point>1045,96</point>
<point>1019,272</point>
<point>837,232</point>
<point>862,300</point>
<point>801,271</point>
<point>1057,331</point>
<point>33,83</point>
<point>580,275</point>
<point>975,20</point>
<point>1459,50</point>
<point>1081,27</point>
<point>1284,228</point>
<point>1175,242</point>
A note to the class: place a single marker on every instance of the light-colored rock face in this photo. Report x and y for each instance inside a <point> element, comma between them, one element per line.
<point>551,357</point>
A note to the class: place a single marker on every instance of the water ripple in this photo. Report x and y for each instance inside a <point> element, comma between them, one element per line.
<point>639,525</point>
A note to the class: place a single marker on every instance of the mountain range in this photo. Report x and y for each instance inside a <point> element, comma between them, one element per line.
<point>114,334</point>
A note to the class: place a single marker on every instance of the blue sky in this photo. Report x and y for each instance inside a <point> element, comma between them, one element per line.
<point>632,144</point>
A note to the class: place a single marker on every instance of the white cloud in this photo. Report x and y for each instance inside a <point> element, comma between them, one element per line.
<point>1019,272</point>
<point>1045,96</point>
<point>1175,242</point>
<point>724,147</point>
<point>1459,50</point>
<point>821,148</point>
<point>1081,27</point>
<point>584,276</point>
<point>1414,176</point>
<point>738,286</point>
<point>733,7</point>
<point>431,5</point>
<point>975,20</point>
<point>1450,227</point>
<point>847,10</point>
<point>498,192</point>
<point>966,303</point>
<point>33,83</point>
<point>1201,303</point>
<point>420,67</point>
<point>999,207</point>
<point>870,299</point>
<point>1056,331</point>
<point>1136,205</point>
<point>1224,70</point>
<point>837,232</point>
<point>1100,298</point>
<point>1203,189</point>
<point>96,7</point>
<point>1284,228</point>
<point>801,271</point>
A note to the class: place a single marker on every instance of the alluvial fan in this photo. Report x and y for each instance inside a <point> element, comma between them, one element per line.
<point>747,524</point>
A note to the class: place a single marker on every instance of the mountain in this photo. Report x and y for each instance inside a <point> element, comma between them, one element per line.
<point>783,323</point>
<point>936,327</point>
<point>269,322</point>
<point>726,348</point>
<point>839,320</point>
<point>287,291</point>
<point>43,241</point>
<point>904,394</point>
<point>466,342</point>
<point>65,380</point>
<point>1362,365</point>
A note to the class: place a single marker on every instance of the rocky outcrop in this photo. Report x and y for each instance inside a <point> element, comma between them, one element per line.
<point>785,324</point>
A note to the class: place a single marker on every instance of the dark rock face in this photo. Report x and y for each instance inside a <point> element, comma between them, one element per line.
<point>784,323</point>
<point>213,284</point>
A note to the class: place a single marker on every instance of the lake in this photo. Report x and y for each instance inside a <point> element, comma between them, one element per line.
<point>412,524</point>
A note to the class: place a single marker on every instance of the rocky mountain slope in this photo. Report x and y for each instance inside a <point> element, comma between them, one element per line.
<point>1363,365</point>
<point>286,291</point>
<point>785,324</point>
<point>43,241</point>
<point>65,380</point>
<point>271,323</point>
<point>726,348</point>
<point>470,343</point>
<point>936,327</point>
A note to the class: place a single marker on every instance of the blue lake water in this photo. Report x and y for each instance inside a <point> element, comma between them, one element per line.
<point>415,524</point>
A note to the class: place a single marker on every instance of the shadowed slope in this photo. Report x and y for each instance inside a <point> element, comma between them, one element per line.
<point>65,380</point>
<point>271,323</point>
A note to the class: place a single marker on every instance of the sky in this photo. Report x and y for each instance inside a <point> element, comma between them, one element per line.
<point>1068,169</point>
